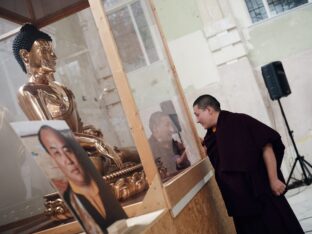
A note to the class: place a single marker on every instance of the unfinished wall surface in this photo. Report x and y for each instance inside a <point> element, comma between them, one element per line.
<point>224,56</point>
<point>205,214</point>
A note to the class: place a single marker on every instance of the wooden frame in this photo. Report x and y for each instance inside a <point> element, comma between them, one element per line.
<point>159,195</point>
<point>175,190</point>
<point>191,176</point>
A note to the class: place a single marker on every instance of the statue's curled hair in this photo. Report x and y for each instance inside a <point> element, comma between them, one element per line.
<point>25,39</point>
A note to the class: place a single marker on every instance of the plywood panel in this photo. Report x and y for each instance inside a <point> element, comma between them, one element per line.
<point>205,214</point>
<point>179,187</point>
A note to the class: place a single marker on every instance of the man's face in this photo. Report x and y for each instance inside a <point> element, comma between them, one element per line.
<point>64,157</point>
<point>164,130</point>
<point>204,116</point>
<point>42,56</point>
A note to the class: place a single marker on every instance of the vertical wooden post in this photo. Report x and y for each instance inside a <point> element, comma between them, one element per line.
<point>177,81</point>
<point>123,89</point>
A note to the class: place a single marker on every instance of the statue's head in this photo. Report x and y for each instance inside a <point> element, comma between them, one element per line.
<point>28,37</point>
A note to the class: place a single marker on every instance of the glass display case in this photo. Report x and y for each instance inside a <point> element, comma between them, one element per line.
<point>114,59</point>
<point>161,117</point>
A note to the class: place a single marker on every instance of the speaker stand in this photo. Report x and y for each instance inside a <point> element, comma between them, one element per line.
<point>307,176</point>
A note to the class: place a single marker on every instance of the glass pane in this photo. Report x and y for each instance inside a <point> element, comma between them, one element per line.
<point>9,82</point>
<point>256,10</point>
<point>156,96</point>
<point>23,185</point>
<point>112,3</point>
<point>82,66</point>
<point>127,40</point>
<point>7,26</point>
<point>133,35</point>
<point>278,6</point>
<point>145,32</point>
<point>82,71</point>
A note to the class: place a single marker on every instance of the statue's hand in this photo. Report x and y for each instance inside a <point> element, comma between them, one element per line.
<point>88,141</point>
<point>91,130</point>
<point>109,152</point>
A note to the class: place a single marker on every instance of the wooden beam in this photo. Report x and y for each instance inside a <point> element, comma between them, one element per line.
<point>9,34</point>
<point>48,19</point>
<point>180,186</point>
<point>12,16</point>
<point>30,9</point>
<point>58,15</point>
<point>123,89</point>
<point>72,227</point>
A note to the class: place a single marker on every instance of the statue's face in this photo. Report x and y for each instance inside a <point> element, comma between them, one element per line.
<point>42,57</point>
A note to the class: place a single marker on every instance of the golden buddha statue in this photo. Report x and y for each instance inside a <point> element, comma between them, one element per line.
<point>43,98</point>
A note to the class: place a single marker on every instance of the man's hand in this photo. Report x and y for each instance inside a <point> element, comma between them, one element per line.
<point>278,187</point>
<point>180,159</point>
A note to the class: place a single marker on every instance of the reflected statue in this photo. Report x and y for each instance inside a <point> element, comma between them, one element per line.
<point>43,98</point>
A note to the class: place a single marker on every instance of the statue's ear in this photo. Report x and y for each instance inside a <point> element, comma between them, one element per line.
<point>24,55</point>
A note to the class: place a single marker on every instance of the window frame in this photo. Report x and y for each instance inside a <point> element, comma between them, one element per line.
<point>269,13</point>
<point>127,4</point>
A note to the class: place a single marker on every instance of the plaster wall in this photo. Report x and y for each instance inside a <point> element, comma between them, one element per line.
<point>238,82</point>
<point>213,59</point>
<point>178,17</point>
<point>281,36</point>
<point>287,38</point>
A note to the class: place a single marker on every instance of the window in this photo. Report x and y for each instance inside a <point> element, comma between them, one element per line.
<point>132,33</point>
<point>262,9</point>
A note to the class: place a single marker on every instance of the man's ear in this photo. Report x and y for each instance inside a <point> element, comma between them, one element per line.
<point>24,55</point>
<point>209,109</point>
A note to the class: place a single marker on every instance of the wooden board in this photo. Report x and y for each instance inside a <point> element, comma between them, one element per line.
<point>205,214</point>
<point>179,187</point>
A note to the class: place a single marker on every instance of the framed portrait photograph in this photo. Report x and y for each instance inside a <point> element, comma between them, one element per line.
<point>71,172</point>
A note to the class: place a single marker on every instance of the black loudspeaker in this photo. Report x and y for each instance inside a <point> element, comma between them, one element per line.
<point>275,80</point>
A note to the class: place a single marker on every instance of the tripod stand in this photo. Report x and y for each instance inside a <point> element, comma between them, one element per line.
<point>307,180</point>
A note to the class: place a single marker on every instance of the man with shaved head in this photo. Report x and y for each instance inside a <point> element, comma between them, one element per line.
<point>247,155</point>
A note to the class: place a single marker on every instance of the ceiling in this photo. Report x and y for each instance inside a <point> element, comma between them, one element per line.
<point>39,12</point>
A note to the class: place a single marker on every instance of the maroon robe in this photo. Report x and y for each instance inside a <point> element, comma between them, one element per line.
<point>236,152</point>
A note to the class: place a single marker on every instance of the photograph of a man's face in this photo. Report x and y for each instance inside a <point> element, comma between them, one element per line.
<point>71,172</point>
<point>63,155</point>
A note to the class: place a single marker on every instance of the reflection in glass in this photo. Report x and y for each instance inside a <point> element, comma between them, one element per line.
<point>145,32</point>
<point>132,34</point>
<point>168,151</point>
<point>22,183</point>
<point>153,86</point>
<point>126,39</point>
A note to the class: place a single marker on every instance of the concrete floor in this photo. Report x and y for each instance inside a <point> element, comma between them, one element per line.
<point>300,200</point>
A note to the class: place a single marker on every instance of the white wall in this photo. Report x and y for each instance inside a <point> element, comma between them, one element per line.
<point>234,76</point>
